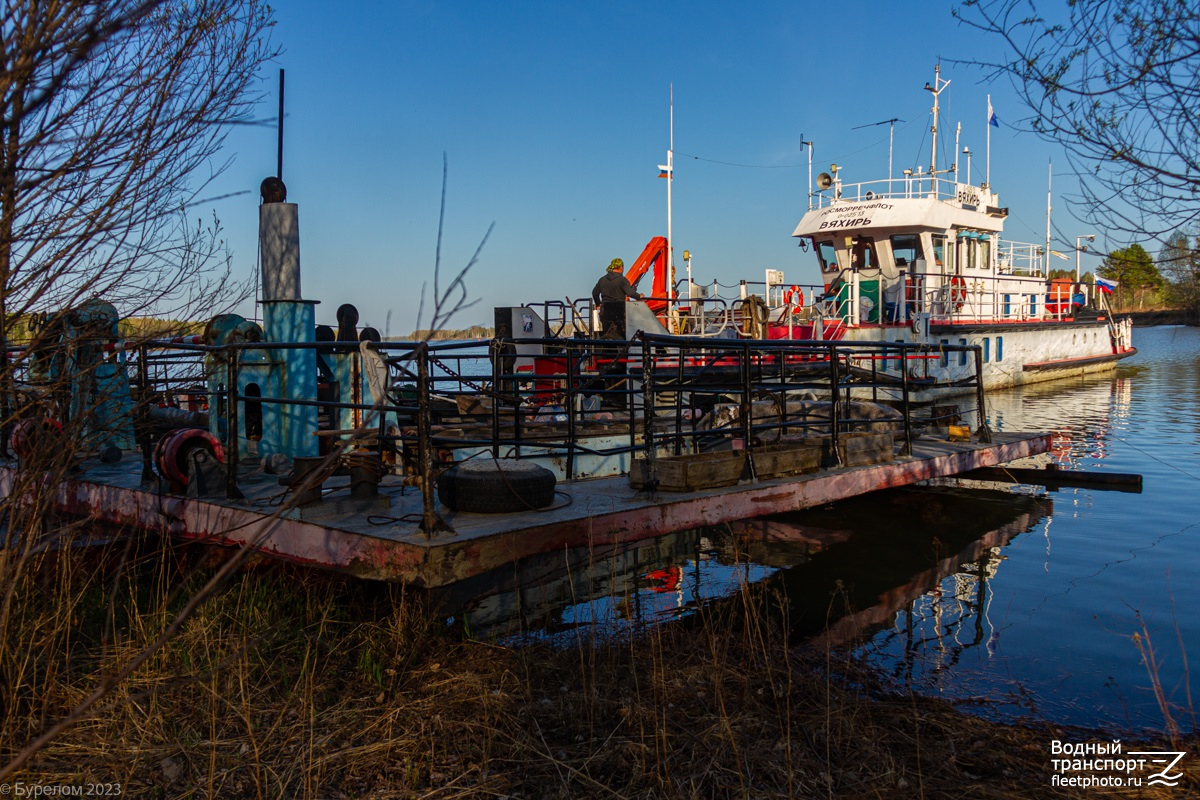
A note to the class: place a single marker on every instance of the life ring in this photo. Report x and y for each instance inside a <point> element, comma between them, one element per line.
<point>958,291</point>
<point>794,298</point>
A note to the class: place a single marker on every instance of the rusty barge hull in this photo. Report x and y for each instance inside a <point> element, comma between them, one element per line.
<point>385,543</point>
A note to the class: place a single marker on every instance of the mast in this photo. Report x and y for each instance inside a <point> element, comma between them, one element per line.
<point>957,137</point>
<point>279,146</point>
<point>987,173</point>
<point>670,265</point>
<point>810,154</point>
<point>1049,182</point>
<point>936,89</point>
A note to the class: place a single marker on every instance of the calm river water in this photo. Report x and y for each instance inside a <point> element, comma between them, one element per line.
<point>1065,600</point>
<point>1042,603</point>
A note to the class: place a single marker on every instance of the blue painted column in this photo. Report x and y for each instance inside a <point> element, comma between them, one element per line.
<point>287,319</point>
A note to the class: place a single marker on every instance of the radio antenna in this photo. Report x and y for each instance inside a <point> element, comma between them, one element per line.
<point>891,123</point>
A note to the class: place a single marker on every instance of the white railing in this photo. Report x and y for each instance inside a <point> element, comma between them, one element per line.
<point>1020,258</point>
<point>908,187</point>
<point>1009,298</point>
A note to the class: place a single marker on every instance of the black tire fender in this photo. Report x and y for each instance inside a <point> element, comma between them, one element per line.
<point>489,486</point>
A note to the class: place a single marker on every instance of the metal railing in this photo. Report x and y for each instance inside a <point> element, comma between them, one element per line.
<point>579,400</point>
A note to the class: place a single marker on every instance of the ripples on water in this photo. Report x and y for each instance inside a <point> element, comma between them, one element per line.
<point>1070,596</point>
<point>1030,600</point>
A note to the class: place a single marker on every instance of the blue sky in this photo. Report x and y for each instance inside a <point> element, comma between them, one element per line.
<point>553,118</point>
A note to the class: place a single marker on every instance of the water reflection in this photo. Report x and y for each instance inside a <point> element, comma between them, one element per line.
<point>605,589</point>
<point>1081,414</point>
<point>844,574</point>
<point>912,560</point>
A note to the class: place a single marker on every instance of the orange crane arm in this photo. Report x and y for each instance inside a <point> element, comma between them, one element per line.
<point>654,255</point>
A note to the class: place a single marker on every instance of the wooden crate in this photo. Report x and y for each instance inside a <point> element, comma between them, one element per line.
<point>796,458</point>
<point>860,449</point>
<point>690,473</point>
<point>856,449</point>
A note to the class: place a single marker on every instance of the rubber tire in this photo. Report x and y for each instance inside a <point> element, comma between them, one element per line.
<point>485,486</point>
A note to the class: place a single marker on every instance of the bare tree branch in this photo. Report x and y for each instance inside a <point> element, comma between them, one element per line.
<point>448,303</point>
<point>1117,84</point>
<point>112,118</point>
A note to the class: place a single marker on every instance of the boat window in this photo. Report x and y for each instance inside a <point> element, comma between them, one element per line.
<point>827,253</point>
<point>962,354</point>
<point>999,348</point>
<point>1033,312</point>
<point>945,355</point>
<point>987,349</point>
<point>863,256</point>
<point>906,247</point>
<point>966,250</point>
<point>1007,307</point>
<point>985,253</point>
<point>940,255</point>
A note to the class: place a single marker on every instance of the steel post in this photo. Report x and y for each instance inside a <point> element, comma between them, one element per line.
<point>679,399</point>
<point>232,435</point>
<point>431,521</point>
<point>648,413</point>
<point>143,412</point>
<point>747,399</point>
<point>569,405</point>
<point>985,433</point>
<point>834,402</point>
<point>496,392</point>
<point>904,393</point>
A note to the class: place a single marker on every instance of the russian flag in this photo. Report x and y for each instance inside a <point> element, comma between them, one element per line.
<point>1105,285</point>
<point>664,171</point>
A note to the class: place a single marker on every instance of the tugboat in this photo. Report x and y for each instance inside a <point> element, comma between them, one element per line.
<point>920,259</point>
<point>916,260</point>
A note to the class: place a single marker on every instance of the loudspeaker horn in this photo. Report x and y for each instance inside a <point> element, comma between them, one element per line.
<point>824,180</point>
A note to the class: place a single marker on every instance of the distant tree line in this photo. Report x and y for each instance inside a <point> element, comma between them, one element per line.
<point>473,332</point>
<point>1179,263</point>
<point>22,329</point>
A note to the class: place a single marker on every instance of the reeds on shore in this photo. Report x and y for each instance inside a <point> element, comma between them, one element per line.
<point>294,683</point>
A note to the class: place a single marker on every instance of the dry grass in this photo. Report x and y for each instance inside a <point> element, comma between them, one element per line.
<point>299,684</point>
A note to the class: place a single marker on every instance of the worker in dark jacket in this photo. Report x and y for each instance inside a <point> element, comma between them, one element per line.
<point>614,285</point>
<point>609,296</point>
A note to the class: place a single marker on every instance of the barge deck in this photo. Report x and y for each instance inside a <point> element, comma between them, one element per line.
<point>382,539</point>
